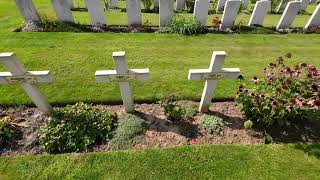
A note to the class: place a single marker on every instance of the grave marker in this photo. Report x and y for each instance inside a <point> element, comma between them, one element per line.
<point>134,12</point>
<point>211,76</point>
<point>201,9</point>
<point>122,75</point>
<point>314,20</point>
<point>114,4</point>
<point>221,5</point>
<point>283,4</point>
<point>28,10</point>
<point>63,11</point>
<point>289,14</point>
<point>27,80</point>
<point>166,11</point>
<point>180,4</point>
<point>229,14</point>
<point>304,4</point>
<point>259,12</point>
<point>96,11</point>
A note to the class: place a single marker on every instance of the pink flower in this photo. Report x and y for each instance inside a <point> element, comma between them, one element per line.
<point>295,73</point>
<point>194,141</point>
<point>289,109</point>
<point>255,80</point>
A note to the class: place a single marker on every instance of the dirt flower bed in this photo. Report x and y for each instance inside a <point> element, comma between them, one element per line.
<point>161,132</point>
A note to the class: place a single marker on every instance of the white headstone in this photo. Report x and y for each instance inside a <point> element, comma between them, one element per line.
<point>156,4</point>
<point>221,5</point>
<point>133,8</point>
<point>229,14</point>
<point>289,14</point>
<point>180,4</point>
<point>122,75</point>
<point>314,20</point>
<point>28,10</point>
<point>96,11</point>
<point>304,4</point>
<point>260,11</point>
<point>282,6</point>
<point>201,9</point>
<point>27,80</point>
<point>211,76</point>
<point>63,11</point>
<point>244,4</point>
<point>113,4</point>
<point>166,11</point>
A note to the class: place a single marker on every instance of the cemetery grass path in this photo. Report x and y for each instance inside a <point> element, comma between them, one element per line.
<point>191,162</point>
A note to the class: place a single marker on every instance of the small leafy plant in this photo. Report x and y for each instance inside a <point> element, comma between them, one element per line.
<point>75,128</point>
<point>6,129</point>
<point>128,132</point>
<point>286,95</point>
<point>171,108</point>
<point>212,124</point>
<point>188,109</point>
<point>184,24</point>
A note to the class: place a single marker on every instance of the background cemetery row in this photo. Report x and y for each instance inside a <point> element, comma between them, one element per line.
<point>230,10</point>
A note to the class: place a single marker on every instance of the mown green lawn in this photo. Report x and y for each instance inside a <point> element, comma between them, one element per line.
<point>188,162</point>
<point>73,59</point>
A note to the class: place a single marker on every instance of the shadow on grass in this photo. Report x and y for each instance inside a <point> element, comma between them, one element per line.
<point>309,149</point>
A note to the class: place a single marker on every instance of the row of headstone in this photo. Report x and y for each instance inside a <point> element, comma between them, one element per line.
<point>133,7</point>
<point>121,75</point>
<point>283,4</point>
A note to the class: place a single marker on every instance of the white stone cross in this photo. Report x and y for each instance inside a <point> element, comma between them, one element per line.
<point>229,14</point>
<point>28,10</point>
<point>63,11</point>
<point>27,80</point>
<point>201,9</point>
<point>289,14</point>
<point>133,8</point>
<point>314,20</point>
<point>122,75</point>
<point>96,11</point>
<point>165,11</point>
<point>260,11</point>
<point>211,76</point>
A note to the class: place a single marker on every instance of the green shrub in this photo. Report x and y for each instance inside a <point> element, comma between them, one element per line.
<point>288,94</point>
<point>128,132</point>
<point>248,124</point>
<point>188,109</point>
<point>190,5</point>
<point>75,128</point>
<point>147,4</point>
<point>184,24</point>
<point>212,124</point>
<point>6,129</point>
<point>171,108</point>
<point>50,24</point>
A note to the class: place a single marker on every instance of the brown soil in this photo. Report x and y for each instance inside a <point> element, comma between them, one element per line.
<point>161,132</point>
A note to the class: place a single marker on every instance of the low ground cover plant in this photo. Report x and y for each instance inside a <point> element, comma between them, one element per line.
<point>6,130</point>
<point>75,128</point>
<point>129,132</point>
<point>286,95</point>
<point>178,110</point>
<point>184,24</point>
<point>212,124</point>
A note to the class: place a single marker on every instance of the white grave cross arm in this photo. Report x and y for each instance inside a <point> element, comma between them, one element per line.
<point>27,80</point>
<point>123,76</point>
<point>211,75</point>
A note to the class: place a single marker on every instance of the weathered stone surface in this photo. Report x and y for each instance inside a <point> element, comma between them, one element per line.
<point>166,11</point>
<point>134,12</point>
<point>314,20</point>
<point>201,9</point>
<point>229,14</point>
<point>96,11</point>
<point>28,10</point>
<point>63,11</point>
<point>289,14</point>
<point>259,12</point>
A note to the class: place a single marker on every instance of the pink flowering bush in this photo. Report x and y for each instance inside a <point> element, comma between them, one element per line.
<point>285,95</point>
